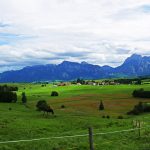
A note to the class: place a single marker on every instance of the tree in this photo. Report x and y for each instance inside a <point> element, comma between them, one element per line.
<point>101,106</point>
<point>5,88</point>
<point>24,98</point>
<point>7,95</point>
<point>81,81</point>
<point>14,97</point>
<point>138,82</point>
<point>41,105</point>
<point>78,80</point>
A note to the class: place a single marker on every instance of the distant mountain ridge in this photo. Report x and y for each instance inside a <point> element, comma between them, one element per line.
<point>135,65</point>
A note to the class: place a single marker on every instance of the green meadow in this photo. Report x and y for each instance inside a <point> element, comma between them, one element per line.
<point>18,122</point>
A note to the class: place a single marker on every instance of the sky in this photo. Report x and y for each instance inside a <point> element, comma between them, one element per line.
<point>102,32</point>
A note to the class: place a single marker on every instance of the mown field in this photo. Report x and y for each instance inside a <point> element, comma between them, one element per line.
<point>80,112</point>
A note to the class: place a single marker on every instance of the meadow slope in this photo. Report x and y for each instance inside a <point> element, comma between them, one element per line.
<point>80,112</point>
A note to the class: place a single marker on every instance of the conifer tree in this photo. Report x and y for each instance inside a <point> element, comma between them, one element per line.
<point>24,98</point>
<point>101,106</point>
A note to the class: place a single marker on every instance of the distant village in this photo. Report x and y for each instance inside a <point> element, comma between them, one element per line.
<point>132,81</point>
<point>97,82</point>
<point>94,83</point>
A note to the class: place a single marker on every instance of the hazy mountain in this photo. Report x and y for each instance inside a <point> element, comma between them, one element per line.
<point>133,66</point>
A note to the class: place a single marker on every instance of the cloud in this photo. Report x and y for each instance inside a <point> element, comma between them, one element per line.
<point>102,32</point>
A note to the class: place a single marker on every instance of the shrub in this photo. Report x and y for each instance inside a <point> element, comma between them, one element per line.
<point>54,93</point>
<point>133,112</point>
<point>120,117</point>
<point>107,116</point>
<point>103,116</point>
<point>62,106</point>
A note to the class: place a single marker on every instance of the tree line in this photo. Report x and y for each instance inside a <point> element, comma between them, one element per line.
<point>141,107</point>
<point>136,81</point>
<point>141,93</point>
<point>128,81</point>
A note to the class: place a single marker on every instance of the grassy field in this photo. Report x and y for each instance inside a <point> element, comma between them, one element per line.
<point>80,112</point>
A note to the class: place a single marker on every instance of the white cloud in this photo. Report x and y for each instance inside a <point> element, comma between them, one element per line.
<point>98,31</point>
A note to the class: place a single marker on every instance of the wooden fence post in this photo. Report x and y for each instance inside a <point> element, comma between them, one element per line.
<point>91,138</point>
<point>139,128</point>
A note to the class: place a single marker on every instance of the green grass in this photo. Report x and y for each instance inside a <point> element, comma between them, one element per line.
<point>80,112</point>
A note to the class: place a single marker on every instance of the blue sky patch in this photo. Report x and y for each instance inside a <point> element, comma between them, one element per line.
<point>145,8</point>
<point>3,25</point>
<point>9,38</point>
<point>4,42</point>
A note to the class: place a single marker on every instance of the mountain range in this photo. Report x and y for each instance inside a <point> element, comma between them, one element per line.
<point>133,66</point>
